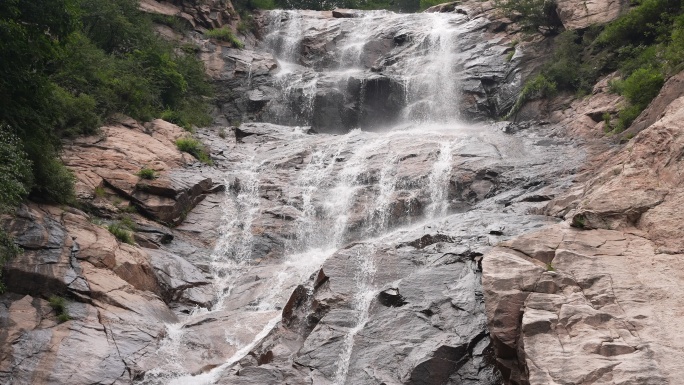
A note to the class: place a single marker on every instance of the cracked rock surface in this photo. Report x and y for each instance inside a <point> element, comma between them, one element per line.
<point>598,303</point>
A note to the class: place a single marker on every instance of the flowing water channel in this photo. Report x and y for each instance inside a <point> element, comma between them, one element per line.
<point>299,201</point>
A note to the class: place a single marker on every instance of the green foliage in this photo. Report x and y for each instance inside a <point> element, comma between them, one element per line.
<point>578,221</point>
<point>99,191</point>
<point>646,24</point>
<point>8,250</point>
<point>642,86</point>
<point>534,14</point>
<point>59,305</point>
<point>127,222</point>
<point>626,116</point>
<point>67,65</point>
<point>538,87</point>
<point>646,45</point>
<point>607,127</point>
<point>147,173</point>
<point>225,34</point>
<point>550,267</point>
<point>121,232</point>
<point>16,177</point>
<point>195,148</point>
<point>56,181</point>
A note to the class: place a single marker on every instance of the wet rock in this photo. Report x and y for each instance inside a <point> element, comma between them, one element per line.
<point>181,281</point>
<point>391,297</point>
<point>343,13</point>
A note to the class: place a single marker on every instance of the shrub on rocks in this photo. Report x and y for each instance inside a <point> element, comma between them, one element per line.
<point>195,148</point>
<point>147,173</point>
<point>121,232</point>
<point>225,34</point>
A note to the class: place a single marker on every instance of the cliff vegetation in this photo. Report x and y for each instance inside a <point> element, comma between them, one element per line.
<point>67,67</point>
<point>645,46</point>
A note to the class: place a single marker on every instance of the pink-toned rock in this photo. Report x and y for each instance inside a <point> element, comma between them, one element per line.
<point>116,320</point>
<point>578,14</point>
<point>112,160</point>
<point>590,319</point>
<point>604,311</point>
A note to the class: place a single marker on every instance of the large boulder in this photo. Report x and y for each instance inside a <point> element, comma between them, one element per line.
<point>114,157</point>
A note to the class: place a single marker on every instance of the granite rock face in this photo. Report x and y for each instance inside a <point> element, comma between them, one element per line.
<point>112,160</point>
<point>595,303</point>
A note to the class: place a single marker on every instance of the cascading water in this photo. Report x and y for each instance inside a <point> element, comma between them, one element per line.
<point>298,199</point>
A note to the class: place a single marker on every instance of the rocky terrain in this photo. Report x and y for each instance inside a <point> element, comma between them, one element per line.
<point>528,252</point>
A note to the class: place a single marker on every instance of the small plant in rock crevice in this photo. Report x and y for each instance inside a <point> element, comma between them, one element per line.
<point>121,232</point>
<point>147,173</point>
<point>225,34</point>
<point>579,221</point>
<point>195,148</point>
<point>59,305</point>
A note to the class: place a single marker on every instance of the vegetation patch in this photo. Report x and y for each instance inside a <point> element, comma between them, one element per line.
<point>59,305</point>
<point>121,232</point>
<point>68,65</point>
<point>147,173</point>
<point>225,34</point>
<point>195,148</point>
<point>645,46</point>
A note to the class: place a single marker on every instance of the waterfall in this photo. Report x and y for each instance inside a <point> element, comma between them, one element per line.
<point>389,85</point>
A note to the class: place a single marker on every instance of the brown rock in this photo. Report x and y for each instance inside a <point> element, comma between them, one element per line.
<point>113,159</point>
<point>576,14</point>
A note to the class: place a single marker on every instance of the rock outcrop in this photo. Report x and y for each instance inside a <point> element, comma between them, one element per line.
<point>112,160</point>
<point>596,302</point>
<point>208,14</point>
<point>580,14</point>
<point>118,297</point>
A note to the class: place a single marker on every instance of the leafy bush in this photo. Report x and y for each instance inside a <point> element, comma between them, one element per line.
<point>59,305</point>
<point>626,116</point>
<point>56,181</point>
<point>16,177</point>
<point>67,65</point>
<point>147,173</point>
<point>195,148</point>
<point>642,86</point>
<point>121,232</point>
<point>225,34</point>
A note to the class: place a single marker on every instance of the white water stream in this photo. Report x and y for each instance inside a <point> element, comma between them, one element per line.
<point>330,185</point>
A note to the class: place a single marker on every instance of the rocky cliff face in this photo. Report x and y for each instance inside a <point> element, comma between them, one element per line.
<point>594,299</point>
<point>440,253</point>
<point>336,73</point>
<point>120,295</point>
